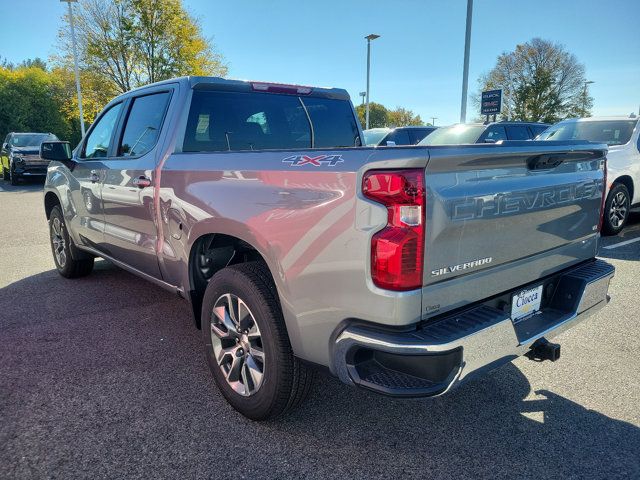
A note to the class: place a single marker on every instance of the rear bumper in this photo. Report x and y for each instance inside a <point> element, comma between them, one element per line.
<point>442,353</point>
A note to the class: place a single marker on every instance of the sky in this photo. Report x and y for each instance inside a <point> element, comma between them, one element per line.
<point>417,61</point>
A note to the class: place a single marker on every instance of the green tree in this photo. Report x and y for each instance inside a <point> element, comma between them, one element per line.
<point>401,117</point>
<point>135,42</point>
<point>378,115</point>
<point>541,81</point>
<point>31,101</point>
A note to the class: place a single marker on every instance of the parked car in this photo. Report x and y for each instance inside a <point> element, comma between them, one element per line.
<point>622,135</point>
<point>396,136</point>
<point>20,156</point>
<point>404,271</point>
<point>462,133</point>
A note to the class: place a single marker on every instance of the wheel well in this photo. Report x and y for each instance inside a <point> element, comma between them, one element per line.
<point>50,201</point>
<point>627,181</point>
<point>209,254</point>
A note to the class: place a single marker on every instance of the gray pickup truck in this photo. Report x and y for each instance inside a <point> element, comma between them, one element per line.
<point>402,270</point>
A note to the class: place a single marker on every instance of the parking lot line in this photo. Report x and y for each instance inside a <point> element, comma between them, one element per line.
<point>622,244</point>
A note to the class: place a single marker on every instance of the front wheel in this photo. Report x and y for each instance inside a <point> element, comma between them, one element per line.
<point>616,209</point>
<point>66,265</point>
<point>14,178</point>
<point>247,345</point>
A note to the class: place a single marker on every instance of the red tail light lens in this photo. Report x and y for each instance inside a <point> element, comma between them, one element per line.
<point>397,251</point>
<point>604,196</point>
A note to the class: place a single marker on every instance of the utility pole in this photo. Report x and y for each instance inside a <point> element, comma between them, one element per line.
<point>369,37</point>
<point>465,70</point>
<point>75,62</point>
<point>433,121</point>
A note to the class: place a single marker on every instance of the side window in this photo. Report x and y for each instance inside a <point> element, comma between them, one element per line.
<point>143,124</point>
<point>334,124</point>
<point>537,129</point>
<point>416,135</point>
<point>496,133</point>
<point>399,137</point>
<point>517,132</point>
<point>98,141</point>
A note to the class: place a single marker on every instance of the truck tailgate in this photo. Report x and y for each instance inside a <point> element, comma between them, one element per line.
<point>501,216</point>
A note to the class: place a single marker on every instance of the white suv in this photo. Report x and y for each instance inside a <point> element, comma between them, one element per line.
<point>622,134</point>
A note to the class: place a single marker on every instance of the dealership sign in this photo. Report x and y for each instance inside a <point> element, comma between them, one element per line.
<point>491,102</point>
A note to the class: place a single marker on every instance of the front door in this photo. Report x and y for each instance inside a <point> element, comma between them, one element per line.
<point>86,172</point>
<point>130,231</point>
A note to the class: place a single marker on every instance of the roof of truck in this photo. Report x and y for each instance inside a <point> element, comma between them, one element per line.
<point>202,82</point>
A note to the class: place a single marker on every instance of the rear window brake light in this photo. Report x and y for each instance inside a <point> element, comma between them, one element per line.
<point>281,88</point>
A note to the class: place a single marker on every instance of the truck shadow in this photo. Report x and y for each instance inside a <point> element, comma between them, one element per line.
<point>100,366</point>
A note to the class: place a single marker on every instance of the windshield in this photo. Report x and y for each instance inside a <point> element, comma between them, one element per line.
<point>454,135</point>
<point>31,139</point>
<point>611,132</point>
<point>375,136</point>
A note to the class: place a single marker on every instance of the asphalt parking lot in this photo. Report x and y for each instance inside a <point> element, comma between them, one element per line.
<point>104,377</point>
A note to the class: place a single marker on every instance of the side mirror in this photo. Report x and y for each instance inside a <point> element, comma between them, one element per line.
<point>55,151</point>
<point>5,146</point>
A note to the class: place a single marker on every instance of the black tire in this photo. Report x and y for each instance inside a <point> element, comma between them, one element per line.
<point>5,174</point>
<point>616,209</point>
<point>13,178</point>
<point>286,381</point>
<point>67,266</point>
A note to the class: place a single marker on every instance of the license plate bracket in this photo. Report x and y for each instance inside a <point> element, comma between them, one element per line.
<point>526,302</point>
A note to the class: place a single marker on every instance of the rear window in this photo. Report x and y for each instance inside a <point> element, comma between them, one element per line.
<point>454,135</point>
<point>517,132</point>
<point>611,132</point>
<point>232,121</point>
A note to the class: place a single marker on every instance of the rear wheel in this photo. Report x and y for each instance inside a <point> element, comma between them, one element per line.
<point>66,265</point>
<point>247,345</point>
<point>616,209</point>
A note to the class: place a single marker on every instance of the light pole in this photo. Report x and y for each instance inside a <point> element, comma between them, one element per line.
<point>369,37</point>
<point>363,94</point>
<point>75,62</point>
<point>465,69</point>
<point>433,121</point>
<point>584,97</point>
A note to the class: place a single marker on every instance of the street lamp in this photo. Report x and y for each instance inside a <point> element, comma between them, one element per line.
<point>465,68</point>
<point>363,94</point>
<point>584,97</point>
<point>75,62</point>
<point>433,121</point>
<point>369,37</point>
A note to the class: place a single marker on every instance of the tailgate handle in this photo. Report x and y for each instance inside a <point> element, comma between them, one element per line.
<point>546,161</point>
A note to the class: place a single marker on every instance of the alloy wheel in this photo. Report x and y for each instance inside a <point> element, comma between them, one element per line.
<point>237,344</point>
<point>58,242</point>
<point>619,209</point>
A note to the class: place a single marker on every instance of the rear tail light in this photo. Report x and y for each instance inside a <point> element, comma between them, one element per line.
<point>397,251</point>
<point>604,195</point>
<point>281,88</point>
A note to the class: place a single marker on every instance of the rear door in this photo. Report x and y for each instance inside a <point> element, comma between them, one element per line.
<point>500,216</point>
<point>130,233</point>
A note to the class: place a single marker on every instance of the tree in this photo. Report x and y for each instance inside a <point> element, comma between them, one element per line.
<point>401,117</point>
<point>135,42</point>
<point>378,115</point>
<point>31,101</point>
<point>541,81</point>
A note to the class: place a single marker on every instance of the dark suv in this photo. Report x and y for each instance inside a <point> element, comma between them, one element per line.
<point>396,136</point>
<point>484,133</point>
<point>20,156</point>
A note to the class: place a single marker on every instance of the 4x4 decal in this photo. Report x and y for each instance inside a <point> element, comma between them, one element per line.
<point>299,160</point>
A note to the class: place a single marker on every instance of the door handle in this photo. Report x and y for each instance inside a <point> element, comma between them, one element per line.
<point>94,176</point>
<point>142,181</point>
